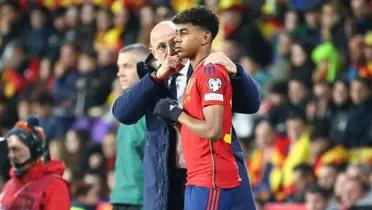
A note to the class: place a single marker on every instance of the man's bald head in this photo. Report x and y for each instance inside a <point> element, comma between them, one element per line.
<point>162,29</point>
<point>160,38</point>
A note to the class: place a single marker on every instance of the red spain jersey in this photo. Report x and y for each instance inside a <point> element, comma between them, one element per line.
<point>209,163</point>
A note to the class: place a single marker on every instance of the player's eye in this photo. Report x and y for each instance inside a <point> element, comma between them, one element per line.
<point>13,149</point>
<point>162,46</point>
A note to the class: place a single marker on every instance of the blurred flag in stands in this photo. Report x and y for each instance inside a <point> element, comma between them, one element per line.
<point>337,156</point>
<point>229,4</point>
<point>180,5</point>
<point>361,155</point>
<point>103,3</point>
<point>269,27</point>
<point>134,4</point>
<point>117,6</point>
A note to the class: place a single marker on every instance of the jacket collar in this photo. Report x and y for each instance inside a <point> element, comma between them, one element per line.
<point>39,169</point>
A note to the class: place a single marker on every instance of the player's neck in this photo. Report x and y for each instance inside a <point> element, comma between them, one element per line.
<point>200,55</point>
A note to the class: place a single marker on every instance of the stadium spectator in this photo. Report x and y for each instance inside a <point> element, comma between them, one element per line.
<point>127,193</point>
<point>36,182</point>
<point>316,198</point>
<point>275,41</point>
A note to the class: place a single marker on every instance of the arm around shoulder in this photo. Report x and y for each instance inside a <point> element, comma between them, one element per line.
<point>131,105</point>
<point>246,97</point>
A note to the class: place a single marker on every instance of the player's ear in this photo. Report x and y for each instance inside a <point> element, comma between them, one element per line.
<point>207,37</point>
<point>152,50</point>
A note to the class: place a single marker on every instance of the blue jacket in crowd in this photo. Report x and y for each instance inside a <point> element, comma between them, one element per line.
<point>141,99</point>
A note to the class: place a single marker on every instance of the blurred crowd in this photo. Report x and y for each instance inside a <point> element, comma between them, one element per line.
<point>310,142</point>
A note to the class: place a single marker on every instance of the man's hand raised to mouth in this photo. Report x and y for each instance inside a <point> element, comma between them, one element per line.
<point>172,63</point>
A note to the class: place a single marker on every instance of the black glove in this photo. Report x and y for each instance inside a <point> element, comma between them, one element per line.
<point>168,110</point>
<point>150,65</point>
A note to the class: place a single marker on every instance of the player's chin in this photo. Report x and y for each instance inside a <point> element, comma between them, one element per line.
<point>182,54</point>
<point>12,163</point>
<point>178,51</point>
<point>124,85</point>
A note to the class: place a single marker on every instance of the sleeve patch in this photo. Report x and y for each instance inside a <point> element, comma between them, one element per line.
<point>213,97</point>
<point>214,84</point>
<point>209,69</point>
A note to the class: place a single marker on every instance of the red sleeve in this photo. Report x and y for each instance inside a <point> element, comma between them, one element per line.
<point>212,84</point>
<point>57,196</point>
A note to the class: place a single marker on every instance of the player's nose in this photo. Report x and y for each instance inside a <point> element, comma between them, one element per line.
<point>120,73</point>
<point>177,38</point>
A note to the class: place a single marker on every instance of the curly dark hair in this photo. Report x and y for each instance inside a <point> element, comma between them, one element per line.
<point>199,16</point>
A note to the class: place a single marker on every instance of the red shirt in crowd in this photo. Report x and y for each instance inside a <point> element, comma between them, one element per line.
<point>42,187</point>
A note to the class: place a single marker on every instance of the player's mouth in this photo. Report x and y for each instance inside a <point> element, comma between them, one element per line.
<point>177,49</point>
<point>123,81</point>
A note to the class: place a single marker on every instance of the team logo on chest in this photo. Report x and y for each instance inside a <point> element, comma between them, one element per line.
<point>214,84</point>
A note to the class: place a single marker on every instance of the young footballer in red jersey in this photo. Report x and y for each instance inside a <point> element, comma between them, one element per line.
<point>206,118</point>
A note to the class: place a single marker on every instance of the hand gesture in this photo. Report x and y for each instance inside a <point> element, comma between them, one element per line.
<point>172,63</point>
<point>222,59</point>
<point>168,110</point>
